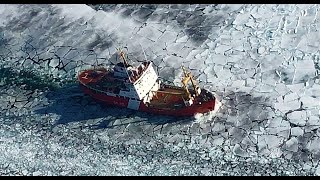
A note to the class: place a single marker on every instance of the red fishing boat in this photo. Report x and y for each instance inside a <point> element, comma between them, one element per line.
<point>141,89</point>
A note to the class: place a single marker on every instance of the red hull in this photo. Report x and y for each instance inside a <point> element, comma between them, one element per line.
<point>123,102</point>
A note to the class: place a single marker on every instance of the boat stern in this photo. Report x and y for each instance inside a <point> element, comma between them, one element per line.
<point>91,75</point>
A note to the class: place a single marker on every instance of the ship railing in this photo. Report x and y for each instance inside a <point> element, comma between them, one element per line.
<point>98,90</point>
<point>167,92</point>
<point>91,69</point>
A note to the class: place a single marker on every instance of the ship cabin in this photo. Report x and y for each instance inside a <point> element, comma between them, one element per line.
<point>120,70</point>
<point>127,71</point>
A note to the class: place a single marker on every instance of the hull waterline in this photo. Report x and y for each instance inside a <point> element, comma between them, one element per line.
<point>204,107</point>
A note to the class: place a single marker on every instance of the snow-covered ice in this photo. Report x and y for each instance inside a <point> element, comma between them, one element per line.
<point>261,60</point>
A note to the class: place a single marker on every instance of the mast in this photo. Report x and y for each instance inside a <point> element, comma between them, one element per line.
<point>188,77</point>
<point>185,81</point>
<point>125,63</point>
<point>122,55</point>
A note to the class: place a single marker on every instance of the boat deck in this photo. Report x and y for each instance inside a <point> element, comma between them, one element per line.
<point>168,98</point>
<point>92,76</point>
<point>102,80</point>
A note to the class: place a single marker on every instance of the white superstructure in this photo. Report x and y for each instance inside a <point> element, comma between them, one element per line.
<point>147,82</point>
<point>142,81</point>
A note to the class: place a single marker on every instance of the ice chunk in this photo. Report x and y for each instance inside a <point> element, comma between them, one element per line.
<point>241,19</point>
<point>76,11</point>
<point>192,54</point>
<point>202,79</point>
<point>238,45</point>
<point>174,138</point>
<point>197,64</point>
<point>313,145</point>
<point>251,23</point>
<point>304,69</point>
<point>25,172</point>
<point>306,20</point>
<point>220,49</point>
<point>54,63</point>
<point>278,127</point>
<point>290,41</point>
<point>274,21</point>
<point>250,82</point>
<point>271,62</point>
<point>218,127</point>
<point>285,107</point>
<point>317,173</point>
<point>309,102</point>
<point>37,173</point>
<point>291,22</point>
<point>167,37</point>
<point>217,140</point>
<point>313,120</point>
<point>150,32</point>
<point>218,59</point>
<point>297,88</point>
<point>211,44</point>
<point>223,74</point>
<point>269,78</point>
<point>182,39</point>
<point>175,48</point>
<point>298,117</point>
<point>237,150</point>
<point>248,63</point>
<point>314,91</point>
<point>275,152</point>
<point>292,145</point>
<point>243,73</point>
<point>264,88</point>
<point>281,88</point>
<point>296,131</point>
<point>269,141</point>
<point>233,7</point>
<point>225,39</point>
<point>132,128</point>
<point>307,43</point>
<point>290,97</point>
<point>237,35</point>
<point>205,53</point>
<point>261,50</point>
<point>238,83</point>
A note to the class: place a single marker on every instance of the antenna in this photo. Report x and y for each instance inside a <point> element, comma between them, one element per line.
<point>184,70</point>
<point>143,52</point>
<point>122,55</point>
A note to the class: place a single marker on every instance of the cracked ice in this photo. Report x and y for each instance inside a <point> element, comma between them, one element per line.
<point>261,61</point>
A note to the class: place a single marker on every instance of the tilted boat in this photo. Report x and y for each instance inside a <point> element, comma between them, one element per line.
<point>141,89</point>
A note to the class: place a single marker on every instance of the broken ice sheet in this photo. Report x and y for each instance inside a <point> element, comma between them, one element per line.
<point>313,145</point>
<point>298,117</point>
<point>247,62</point>
<point>297,131</point>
